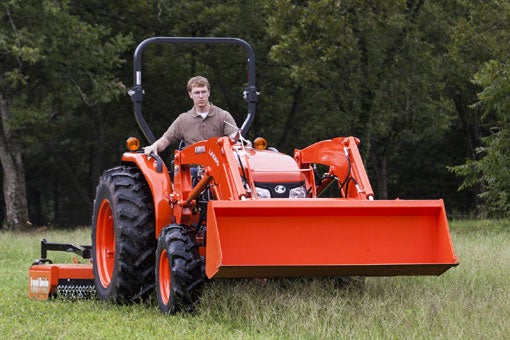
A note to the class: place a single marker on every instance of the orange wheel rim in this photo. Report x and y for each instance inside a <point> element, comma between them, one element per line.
<point>164,277</point>
<point>105,243</point>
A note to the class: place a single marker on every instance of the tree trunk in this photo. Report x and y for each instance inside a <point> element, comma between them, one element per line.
<point>14,188</point>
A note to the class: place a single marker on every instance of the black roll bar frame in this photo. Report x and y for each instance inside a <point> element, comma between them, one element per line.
<point>136,92</point>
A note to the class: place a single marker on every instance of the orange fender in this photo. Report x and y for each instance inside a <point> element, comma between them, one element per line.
<point>160,185</point>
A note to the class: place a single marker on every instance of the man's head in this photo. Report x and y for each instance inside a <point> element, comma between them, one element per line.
<point>198,90</point>
<point>198,81</point>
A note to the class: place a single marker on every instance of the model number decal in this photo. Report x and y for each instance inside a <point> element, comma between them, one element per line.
<point>215,159</point>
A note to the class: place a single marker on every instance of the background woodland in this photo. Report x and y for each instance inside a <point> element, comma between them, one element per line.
<point>424,84</point>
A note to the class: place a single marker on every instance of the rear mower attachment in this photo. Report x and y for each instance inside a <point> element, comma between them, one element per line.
<point>72,281</point>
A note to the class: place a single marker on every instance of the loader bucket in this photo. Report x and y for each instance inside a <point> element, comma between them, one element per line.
<point>327,237</point>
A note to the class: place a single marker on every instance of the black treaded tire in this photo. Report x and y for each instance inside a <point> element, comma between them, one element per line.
<point>123,236</point>
<point>180,273</point>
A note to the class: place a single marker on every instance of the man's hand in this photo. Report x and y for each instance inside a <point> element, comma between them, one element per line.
<point>150,149</point>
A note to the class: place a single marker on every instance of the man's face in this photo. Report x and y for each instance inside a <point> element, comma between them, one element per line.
<point>200,96</point>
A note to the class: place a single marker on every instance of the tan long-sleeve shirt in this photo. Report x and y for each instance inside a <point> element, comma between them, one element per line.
<point>191,127</point>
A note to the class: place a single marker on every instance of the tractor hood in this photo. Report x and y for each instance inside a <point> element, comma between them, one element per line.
<point>268,166</point>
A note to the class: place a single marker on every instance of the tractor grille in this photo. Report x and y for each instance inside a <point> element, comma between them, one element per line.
<point>279,190</point>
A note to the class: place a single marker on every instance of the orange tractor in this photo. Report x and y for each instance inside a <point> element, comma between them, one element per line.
<point>228,208</point>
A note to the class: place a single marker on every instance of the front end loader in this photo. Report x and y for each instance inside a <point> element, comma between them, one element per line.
<point>229,208</point>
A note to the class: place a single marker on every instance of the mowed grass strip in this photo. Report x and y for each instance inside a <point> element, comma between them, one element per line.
<point>470,301</point>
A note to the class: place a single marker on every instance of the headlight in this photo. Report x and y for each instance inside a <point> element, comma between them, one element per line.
<point>299,192</point>
<point>263,193</point>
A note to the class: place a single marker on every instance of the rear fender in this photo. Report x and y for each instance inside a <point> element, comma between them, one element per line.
<point>159,184</point>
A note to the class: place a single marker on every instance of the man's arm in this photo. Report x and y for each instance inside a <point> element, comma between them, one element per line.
<point>171,135</point>
<point>230,127</point>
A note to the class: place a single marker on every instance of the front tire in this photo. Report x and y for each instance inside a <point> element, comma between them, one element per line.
<point>123,240</point>
<point>179,270</point>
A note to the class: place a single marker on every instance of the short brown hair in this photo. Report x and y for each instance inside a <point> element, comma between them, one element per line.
<point>198,81</point>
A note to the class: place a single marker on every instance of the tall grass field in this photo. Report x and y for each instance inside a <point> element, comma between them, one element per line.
<point>471,301</point>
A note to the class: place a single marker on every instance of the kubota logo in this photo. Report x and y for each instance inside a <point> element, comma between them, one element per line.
<point>280,189</point>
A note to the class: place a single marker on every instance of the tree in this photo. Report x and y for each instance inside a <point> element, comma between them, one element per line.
<point>492,169</point>
<point>13,171</point>
<point>479,87</point>
<point>373,67</point>
<point>52,64</point>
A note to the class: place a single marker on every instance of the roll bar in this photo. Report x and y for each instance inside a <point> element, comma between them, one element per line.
<point>136,92</point>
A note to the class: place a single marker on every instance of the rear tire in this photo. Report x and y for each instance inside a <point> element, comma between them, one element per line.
<point>180,272</point>
<point>123,240</point>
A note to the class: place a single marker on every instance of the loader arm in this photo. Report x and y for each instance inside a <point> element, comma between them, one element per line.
<point>220,172</point>
<point>342,156</point>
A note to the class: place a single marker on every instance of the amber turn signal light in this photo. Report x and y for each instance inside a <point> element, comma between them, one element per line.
<point>133,144</point>
<point>260,143</point>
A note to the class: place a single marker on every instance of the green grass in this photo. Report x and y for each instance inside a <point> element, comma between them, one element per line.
<point>471,301</point>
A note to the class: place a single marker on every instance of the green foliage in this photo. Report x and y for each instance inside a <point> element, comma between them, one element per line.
<point>375,68</point>
<point>59,74</point>
<point>493,168</point>
<point>478,45</point>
